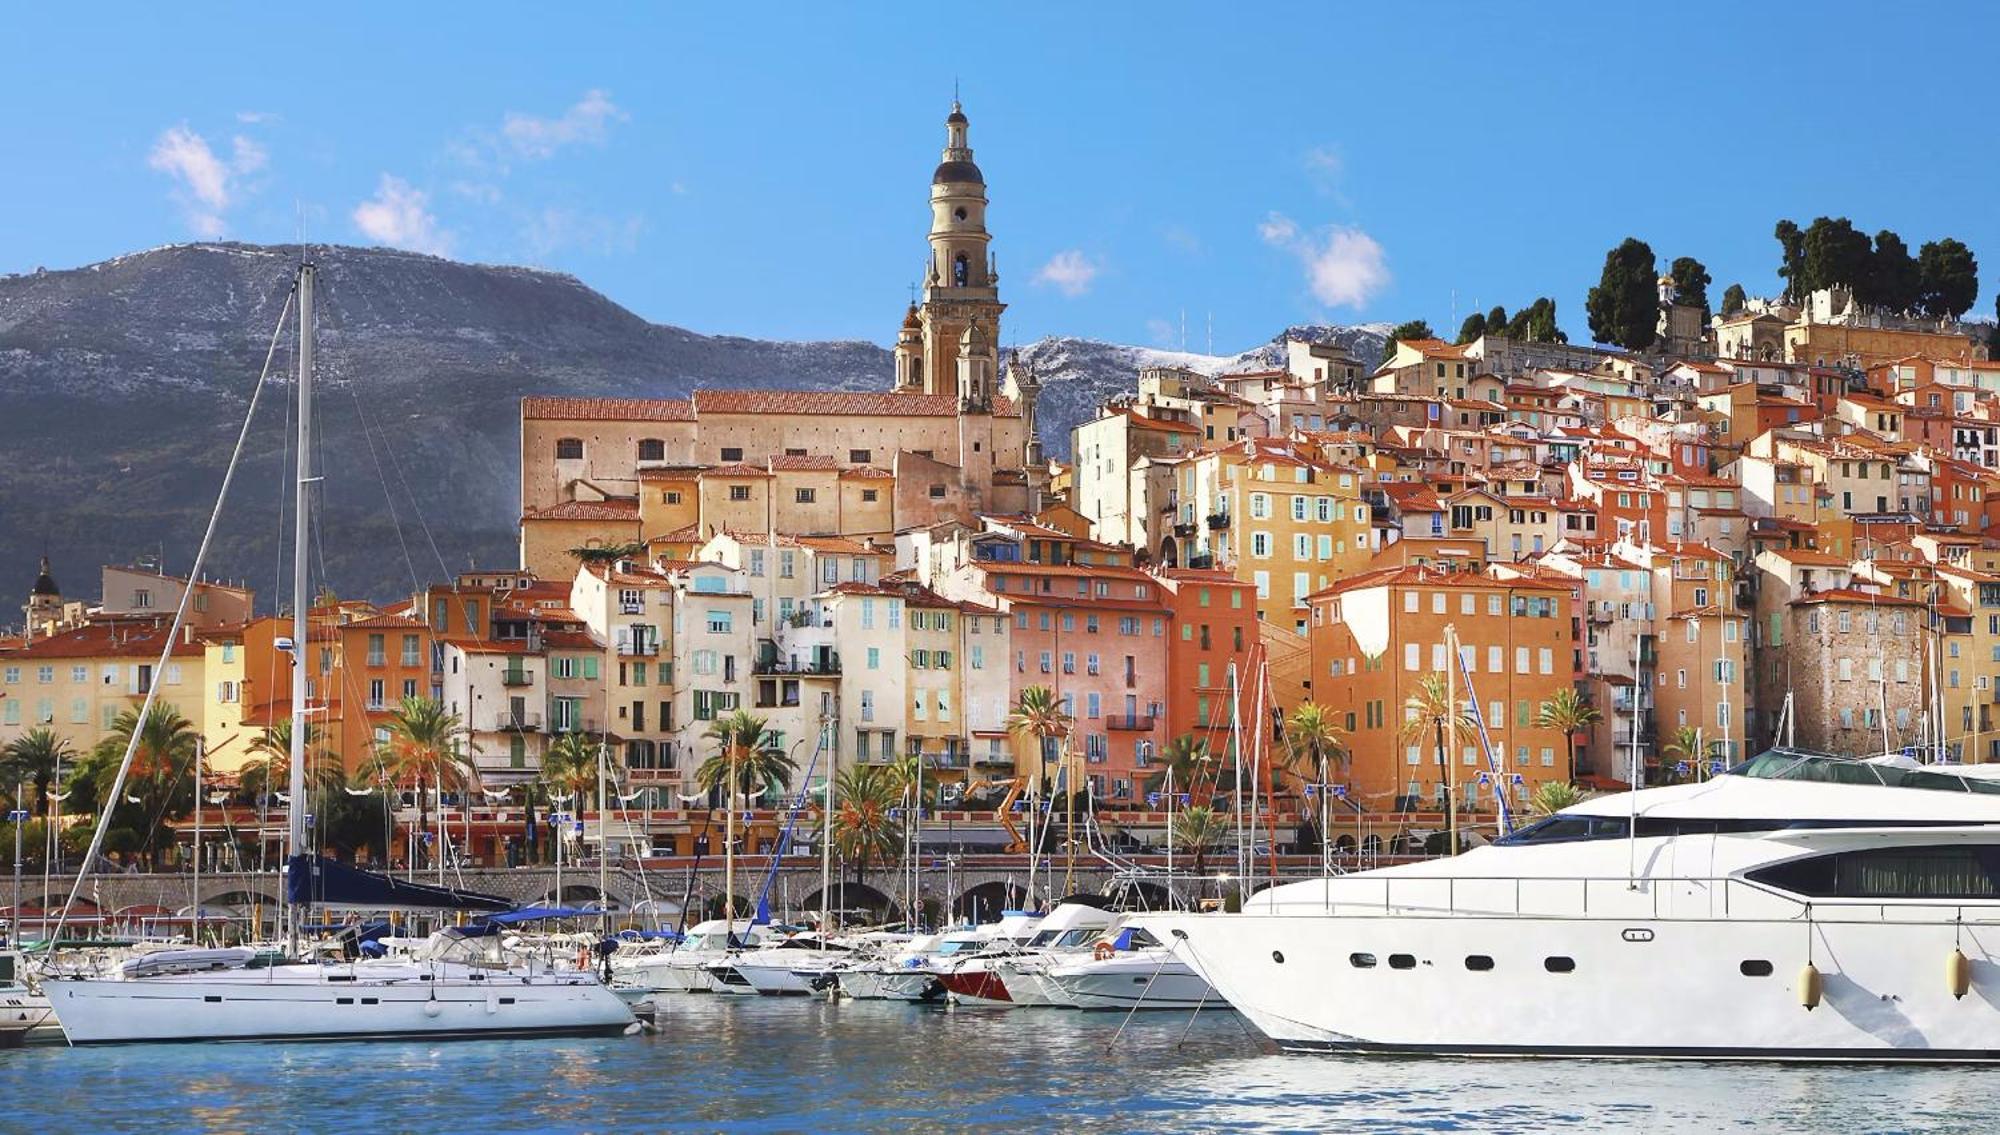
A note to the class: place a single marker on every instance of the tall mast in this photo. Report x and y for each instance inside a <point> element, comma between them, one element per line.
<point>295,832</point>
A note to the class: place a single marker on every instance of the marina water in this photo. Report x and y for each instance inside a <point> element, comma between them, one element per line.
<point>752,1065</point>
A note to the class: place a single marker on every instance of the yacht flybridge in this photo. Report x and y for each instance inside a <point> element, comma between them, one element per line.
<point>1797,907</point>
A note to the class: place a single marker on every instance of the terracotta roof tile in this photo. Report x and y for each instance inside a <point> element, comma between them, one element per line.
<point>617,509</point>
<point>607,409</point>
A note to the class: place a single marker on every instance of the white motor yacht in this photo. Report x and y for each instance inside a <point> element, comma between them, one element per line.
<point>684,968</point>
<point>789,968</point>
<point>1129,969</point>
<point>1068,931</point>
<point>1796,907</point>
<point>462,985</point>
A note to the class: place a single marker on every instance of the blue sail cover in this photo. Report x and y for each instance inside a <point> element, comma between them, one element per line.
<point>315,881</point>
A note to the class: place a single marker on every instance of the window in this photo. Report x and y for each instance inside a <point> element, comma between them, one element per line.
<point>732,453</point>
<point>804,496</point>
<point>719,622</point>
<point>1754,967</point>
<point>652,449</point>
<point>1478,963</point>
<point>1559,964</point>
<point>670,496</point>
<point>869,496</point>
<point>569,449</point>
<point>1361,961</point>
<point>937,492</point>
<point>739,492</point>
<point>1402,961</point>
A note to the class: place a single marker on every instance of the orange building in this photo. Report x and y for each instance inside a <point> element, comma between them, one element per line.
<point>362,666</point>
<point>1214,624</point>
<point>1377,636</point>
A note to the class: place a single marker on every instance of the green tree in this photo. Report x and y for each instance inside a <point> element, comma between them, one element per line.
<point>1198,829</point>
<point>1430,717</point>
<point>424,748</point>
<point>1405,333</point>
<point>1948,279</point>
<point>1189,759</point>
<point>1689,744</point>
<point>1893,280</point>
<point>1536,323</point>
<point>1313,746</point>
<point>1039,716</point>
<point>1691,281</point>
<point>1734,300</point>
<point>1496,320</point>
<point>33,758</point>
<point>1552,796</point>
<point>1792,265</point>
<point>864,830</point>
<point>747,762</point>
<point>1624,306</point>
<point>1567,713</point>
<point>1836,255</point>
<point>608,554</point>
<point>569,767</point>
<point>160,784</point>
<point>1473,327</point>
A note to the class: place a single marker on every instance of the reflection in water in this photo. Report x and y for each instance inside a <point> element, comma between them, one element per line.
<point>730,1064</point>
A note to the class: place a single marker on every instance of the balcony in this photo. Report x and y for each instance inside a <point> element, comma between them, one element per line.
<point>990,759</point>
<point>1218,521</point>
<point>517,677</point>
<point>635,607</point>
<point>828,667</point>
<point>646,649</point>
<point>525,722</point>
<point>1185,530</point>
<point>1129,721</point>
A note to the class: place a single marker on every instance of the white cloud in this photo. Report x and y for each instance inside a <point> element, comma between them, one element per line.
<point>206,184</point>
<point>586,122</point>
<point>1070,272</point>
<point>1344,267</point>
<point>1278,229</point>
<point>399,215</point>
<point>477,192</point>
<point>556,230</point>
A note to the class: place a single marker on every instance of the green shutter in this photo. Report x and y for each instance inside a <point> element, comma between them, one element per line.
<point>590,666</point>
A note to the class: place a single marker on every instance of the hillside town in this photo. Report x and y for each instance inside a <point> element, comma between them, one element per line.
<point>1770,524</point>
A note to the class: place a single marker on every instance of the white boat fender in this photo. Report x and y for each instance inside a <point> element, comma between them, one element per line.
<point>637,1027</point>
<point>1809,987</point>
<point>1958,973</point>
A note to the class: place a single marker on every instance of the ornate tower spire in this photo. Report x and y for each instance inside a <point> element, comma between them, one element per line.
<point>959,286</point>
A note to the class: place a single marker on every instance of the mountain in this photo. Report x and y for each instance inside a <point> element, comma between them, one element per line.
<point>123,385</point>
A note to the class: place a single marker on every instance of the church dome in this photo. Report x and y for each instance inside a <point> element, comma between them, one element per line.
<point>911,322</point>
<point>957,173</point>
<point>45,584</point>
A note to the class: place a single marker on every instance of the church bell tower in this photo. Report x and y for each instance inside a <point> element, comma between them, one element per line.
<point>961,284</point>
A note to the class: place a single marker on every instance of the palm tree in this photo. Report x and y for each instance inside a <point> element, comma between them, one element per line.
<point>1312,740</point>
<point>1690,745</point>
<point>1040,715</point>
<point>1428,712</point>
<point>1567,713</point>
<point>269,770</point>
<point>863,829</point>
<point>1553,796</point>
<point>35,757</point>
<point>163,747</point>
<point>1198,828</point>
<point>423,742</point>
<point>747,761</point>
<point>1189,760</point>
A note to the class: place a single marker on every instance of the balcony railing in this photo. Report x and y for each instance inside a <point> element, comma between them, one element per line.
<point>639,649</point>
<point>1129,721</point>
<point>527,721</point>
<point>1218,520</point>
<point>822,667</point>
<point>1185,530</point>
<point>517,677</point>
<point>990,759</point>
<point>636,607</point>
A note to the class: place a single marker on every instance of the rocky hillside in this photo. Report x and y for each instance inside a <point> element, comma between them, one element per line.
<point>122,385</point>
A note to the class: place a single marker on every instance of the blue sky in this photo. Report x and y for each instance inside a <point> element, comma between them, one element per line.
<point>763,170</point>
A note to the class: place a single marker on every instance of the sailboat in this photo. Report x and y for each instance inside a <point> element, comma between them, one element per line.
<point>461,983</point>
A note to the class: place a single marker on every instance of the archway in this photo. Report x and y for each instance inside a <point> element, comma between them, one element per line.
<point>985,902</point>
<point>1169,553</point>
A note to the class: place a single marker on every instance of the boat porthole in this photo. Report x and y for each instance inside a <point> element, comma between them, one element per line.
<point>1478,963</point>
<point>1278,956</point>
<point>1402,961</point>
<point>1361,961</point>
<point>1754,967</point>
<point>1559,964</point>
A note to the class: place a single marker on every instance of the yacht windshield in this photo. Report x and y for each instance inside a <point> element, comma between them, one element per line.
<point>1791,764</point>
<point>457,946</point>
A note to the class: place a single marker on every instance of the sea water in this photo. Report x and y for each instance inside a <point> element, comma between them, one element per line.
<point>752,1065</point>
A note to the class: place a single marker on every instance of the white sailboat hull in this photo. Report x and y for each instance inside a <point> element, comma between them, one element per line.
<point>1147,980</point>
<point>208,1008</point>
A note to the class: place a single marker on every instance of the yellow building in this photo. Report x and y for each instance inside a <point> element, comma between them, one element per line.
<point>77,683</point>
<point>1272,515</point>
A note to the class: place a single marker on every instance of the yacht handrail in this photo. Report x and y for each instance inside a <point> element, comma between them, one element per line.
<point>1686,888</point>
